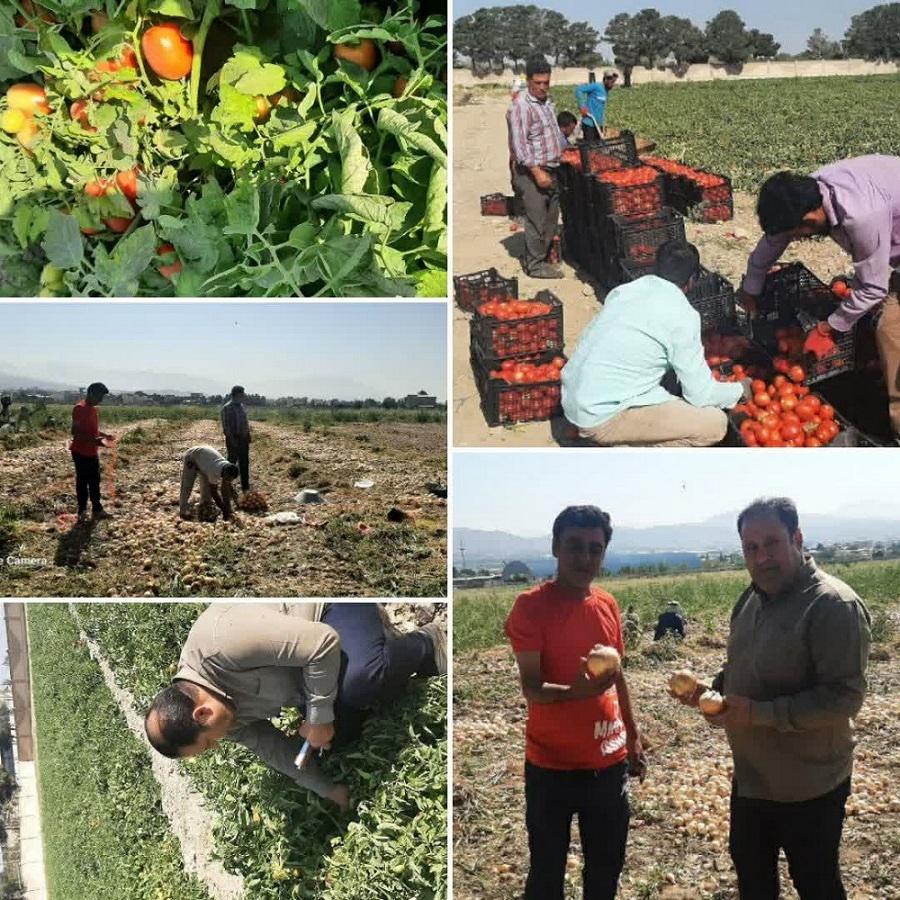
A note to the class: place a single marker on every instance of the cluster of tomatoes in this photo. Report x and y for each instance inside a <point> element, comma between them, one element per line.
<point>25,102</point>
<point>644,254</point>
<point>601,162</point>
<point>514,371</point>
<point>632,193</point>
<point>629,177</point>
<point>783,413</point>
<point>715,213</point>
<point>520,328</point>
<point>571,156</point>
<point>534,392</point>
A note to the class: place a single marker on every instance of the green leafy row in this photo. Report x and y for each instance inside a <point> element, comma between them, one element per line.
<point>287,843</point>
<point>105,834</point>
<point>749,129</point>
<point>337,186</point>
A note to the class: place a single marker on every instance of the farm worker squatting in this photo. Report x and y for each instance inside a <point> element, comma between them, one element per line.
<point>591,99</point>
<point>581,738</point>
<point>794,676</point>
<point>207,464</point>
<point>856,202</point>
<point>236,429</point>
<point>242,663</point>
<point>612,390</point>
<point>535,145</point>
<point>86,438</point>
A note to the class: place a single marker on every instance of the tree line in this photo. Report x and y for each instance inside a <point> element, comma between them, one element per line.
<point>496,38</point>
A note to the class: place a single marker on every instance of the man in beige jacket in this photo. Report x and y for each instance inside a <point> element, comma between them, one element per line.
<point>794,677</point>
<point>242,663</point>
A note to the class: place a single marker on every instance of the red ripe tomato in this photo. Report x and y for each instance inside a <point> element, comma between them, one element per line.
<point>128,183</point>
<point>797,374</point>
<point>801,390</point>
<point>791,417</point>
<point>790,431</point>
<point>781,364</point>
<point>170,270</point>
<point>167,51</point>
<point>776,407</point>
<point>789,403</point>
<point>812,441</point>
<point>779,380</point>
<point>774,442</point>
<point>762,399</point>
<point>97,188</point>
<point>823,433</point>
<point>826,411</point>
<point>757,385</point>
<point>118,224</point>
<point>750,439</point>
<point>770,421</point>
<point>814,402</point>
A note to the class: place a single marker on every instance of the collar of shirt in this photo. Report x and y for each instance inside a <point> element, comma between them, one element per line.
<point>530,98</point>
<point>185,673</point>
<point>805,576</point>
<point>828,205</point>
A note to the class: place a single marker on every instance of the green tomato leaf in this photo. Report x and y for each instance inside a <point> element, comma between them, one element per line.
<point>395,123</point>
<point>180,9</point>
<point>63,244</point>
<point>432,283</point>
<point>354,164</point>
<point>128,261</point>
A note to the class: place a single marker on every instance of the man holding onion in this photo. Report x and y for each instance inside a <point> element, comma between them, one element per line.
<point>794,677</point>
<point>582,738</point>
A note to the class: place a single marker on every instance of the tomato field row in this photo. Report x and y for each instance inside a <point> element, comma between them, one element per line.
<point>749,129</point>
<point>285,842</point>
<point>262,148</point>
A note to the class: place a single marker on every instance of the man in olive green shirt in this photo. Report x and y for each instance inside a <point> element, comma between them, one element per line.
<point>794,677</point>
<point>243,663</point>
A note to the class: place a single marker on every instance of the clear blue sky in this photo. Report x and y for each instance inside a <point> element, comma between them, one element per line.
<point>790,23</point>
<point>341,349</point>
<point>521,493</point>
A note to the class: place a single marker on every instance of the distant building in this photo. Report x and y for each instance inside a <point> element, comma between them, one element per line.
<point>422,400</point>
<point>517,571</point>
<point>476,581</point>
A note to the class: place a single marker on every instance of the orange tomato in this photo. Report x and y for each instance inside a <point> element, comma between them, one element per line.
<point>167,51</point>
<point>363,54</point>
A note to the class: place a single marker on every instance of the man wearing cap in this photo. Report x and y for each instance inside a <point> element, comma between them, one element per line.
<point>535,145</point>
<point>207,464</point>
<point>591,99</point>
<point>86,438</point>
<point>237,434</point>
<point>243,663</point>
<point>670,622</point>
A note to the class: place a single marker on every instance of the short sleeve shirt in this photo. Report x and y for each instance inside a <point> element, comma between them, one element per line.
<point>87,420</point>
<point>575,734</point>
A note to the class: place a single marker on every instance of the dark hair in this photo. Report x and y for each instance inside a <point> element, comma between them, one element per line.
<point>583,517</point>
<point>566,118</point>
<point>537,65</point>
<point>98,389</point>
<point>784,199</point>
<point>231,470</point>
<point>783,508</point>
<point>174,708</point>
<point>677,261</point>
<point>237,389</point>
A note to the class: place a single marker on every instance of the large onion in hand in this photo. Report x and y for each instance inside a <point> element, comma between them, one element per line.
<point>711,703</point>
<point>603,661</point>
<point>683,684</point>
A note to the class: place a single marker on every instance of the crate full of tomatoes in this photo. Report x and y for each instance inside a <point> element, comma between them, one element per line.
<point>605,154</point>
<point>496,205</point>
<point>487,286</point>
<point>783,412</point>
<point>527,389</point>
<point>515,327</point>
<point>789,344</point>
<point>705,196</point>
<point>632,193</point>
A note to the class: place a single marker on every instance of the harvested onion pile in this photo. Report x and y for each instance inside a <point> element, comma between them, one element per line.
<point>253,501</point>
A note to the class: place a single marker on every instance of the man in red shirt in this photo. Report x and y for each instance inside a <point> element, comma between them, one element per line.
<point>581,737</point>
<point>86,438</point>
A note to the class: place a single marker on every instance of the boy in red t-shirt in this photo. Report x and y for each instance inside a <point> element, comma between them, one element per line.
<point>86,438</point>
<point>581,737</point>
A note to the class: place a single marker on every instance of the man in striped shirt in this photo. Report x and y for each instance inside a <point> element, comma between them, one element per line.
<point>535,145</point>
<point>237,434</point>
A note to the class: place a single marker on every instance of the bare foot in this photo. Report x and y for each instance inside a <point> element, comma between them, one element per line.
<point>340,794</point>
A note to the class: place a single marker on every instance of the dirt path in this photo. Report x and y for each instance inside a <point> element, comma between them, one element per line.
<point>677,846</point>
<point>481,242</point>
<point>344,547</point>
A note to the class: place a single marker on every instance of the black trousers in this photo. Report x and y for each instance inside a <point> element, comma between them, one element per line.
<point>590,132</point>
<point>600,800</point>
<point>374,668</point>
<point>541,209</point>
<point>87,481</point>
<point>238,452</point>
<point>810,835</point>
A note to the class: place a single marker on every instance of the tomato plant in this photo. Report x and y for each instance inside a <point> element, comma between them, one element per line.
<point>265,140</point>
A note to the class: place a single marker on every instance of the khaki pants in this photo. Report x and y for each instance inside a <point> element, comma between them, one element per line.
<point>189,474</point>
<point>671,424</point>
<point>887,337</point>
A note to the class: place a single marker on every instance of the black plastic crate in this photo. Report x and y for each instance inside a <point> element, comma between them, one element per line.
<point>637,240</point>
<point>842,361</point>
<point>503,403</point>
<point>496,205</point>
<point>629,201</point>
<point>480,287</point>
<point>713,297</point>
<point>621,150</point>
<point>497,339</point>
<point>628,270</point>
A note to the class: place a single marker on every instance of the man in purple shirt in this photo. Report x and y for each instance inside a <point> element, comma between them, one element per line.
<point>857,203</point>
<point>535,145</point>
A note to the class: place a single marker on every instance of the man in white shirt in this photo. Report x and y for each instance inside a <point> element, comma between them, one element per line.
<point>213,470</point>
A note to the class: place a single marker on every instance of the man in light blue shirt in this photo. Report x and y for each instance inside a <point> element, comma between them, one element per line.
<point>611,387</point>
<point>591,100</point>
